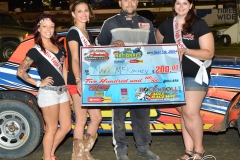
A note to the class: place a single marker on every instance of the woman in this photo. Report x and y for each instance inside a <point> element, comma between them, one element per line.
<point>82,144</point>
<point>196,48</point>
<point>52,96</point>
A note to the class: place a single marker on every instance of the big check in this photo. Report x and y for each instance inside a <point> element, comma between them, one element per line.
<point>131,75</point>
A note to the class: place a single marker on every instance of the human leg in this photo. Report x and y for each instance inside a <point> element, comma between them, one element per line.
<point>91,135</point>
<point>192,120</point>
<point>119,131</point>
<point>95,119</point>
<point>188,142</point>
<point>141,131</point>
<point>80,122</point>
<point>141,127</point>
<point>65,124</point>
<point>50,116</point>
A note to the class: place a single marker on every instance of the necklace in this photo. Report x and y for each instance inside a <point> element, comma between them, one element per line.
<point>85,33</point>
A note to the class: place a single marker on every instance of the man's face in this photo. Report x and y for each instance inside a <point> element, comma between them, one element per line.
<point>129,7</point>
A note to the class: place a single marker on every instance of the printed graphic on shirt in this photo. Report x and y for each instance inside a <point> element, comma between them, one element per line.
<point>189,36</point>
<point>61,59</point>
<point>144,25</point>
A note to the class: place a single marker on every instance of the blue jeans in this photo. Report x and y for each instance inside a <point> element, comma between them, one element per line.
<point>191,85</point>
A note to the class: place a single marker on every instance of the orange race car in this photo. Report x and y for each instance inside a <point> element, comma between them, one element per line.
<point>22,127</point>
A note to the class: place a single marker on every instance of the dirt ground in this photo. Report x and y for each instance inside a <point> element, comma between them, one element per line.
<point>222,146</point>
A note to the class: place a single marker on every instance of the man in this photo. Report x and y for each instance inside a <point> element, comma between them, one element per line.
<point>128,28</point>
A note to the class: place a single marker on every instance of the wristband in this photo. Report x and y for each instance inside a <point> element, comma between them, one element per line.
<point>38,84</point>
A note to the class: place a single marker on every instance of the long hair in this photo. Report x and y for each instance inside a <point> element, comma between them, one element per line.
<point>73,6</point>
<point>37,35</point>
<point>189,19</point>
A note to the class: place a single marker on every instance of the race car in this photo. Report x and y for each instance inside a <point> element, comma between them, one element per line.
<point>22,125</point>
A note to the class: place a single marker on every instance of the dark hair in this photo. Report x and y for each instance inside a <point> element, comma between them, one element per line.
<point>189,19</point>
<point>73,6</point>
<point>37,36</point>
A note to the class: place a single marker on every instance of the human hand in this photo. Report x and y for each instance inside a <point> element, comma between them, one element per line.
<point>118,43</point>
<point>91,45</point>
<point>48,81</point>
<point>181,52</point>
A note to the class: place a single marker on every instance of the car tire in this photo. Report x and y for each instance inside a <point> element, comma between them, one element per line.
<point>225,40</point>
<point>238,124</point>
<point>21,128</point>
<point>7,49</point>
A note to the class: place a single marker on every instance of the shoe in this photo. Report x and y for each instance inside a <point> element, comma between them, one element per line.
<point>201,155</point>
<point>148,154</point>
<point>187,152</point>
<point>122,157</point>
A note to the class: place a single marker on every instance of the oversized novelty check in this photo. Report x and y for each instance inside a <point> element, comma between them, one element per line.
<point>131,75</point>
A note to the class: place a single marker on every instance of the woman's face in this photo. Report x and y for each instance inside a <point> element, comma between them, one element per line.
<point>46,28</point>
<point>81,13</point>
<point>182,7</point>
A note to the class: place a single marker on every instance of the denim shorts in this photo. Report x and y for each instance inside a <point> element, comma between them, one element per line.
<point>191,85</point>
<point>48,97</point>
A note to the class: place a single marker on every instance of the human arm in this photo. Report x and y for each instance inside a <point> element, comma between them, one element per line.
<point>205,42</point>
<point>74,51</point>
<point>22,73</point>
<point>206,51</point>
<point>65,80</point>
<point>152,37</point>
<point>159,37</point>
<point>105,36</point>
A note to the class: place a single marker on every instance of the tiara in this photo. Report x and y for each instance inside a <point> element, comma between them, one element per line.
<point>43,20</point>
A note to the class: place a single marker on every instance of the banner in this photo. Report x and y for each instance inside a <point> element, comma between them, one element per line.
<point>131,75</point>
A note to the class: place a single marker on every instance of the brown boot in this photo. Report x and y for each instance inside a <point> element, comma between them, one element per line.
<point>78,150</point>
<point>88,144</point>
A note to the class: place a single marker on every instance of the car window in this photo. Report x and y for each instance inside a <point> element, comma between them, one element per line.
<point>6,20</point>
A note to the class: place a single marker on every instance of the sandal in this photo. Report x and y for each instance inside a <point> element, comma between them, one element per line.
<point>201,155</point>
<point>52,156</point>
<point>186,153</point>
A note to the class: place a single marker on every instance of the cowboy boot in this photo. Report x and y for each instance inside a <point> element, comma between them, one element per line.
<point>88,144</point>
<point>78,150</point>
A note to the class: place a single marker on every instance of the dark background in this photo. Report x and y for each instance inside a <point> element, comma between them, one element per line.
<point>36,5</point>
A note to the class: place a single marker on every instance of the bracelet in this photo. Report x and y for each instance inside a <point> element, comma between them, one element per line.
<point>38,84</point>
<point>78,80</point>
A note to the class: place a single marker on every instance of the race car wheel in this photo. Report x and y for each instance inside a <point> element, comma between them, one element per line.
<point>21,128</point>
<point>238,124</point>
<point>7,49</point>
<point>225,40</point>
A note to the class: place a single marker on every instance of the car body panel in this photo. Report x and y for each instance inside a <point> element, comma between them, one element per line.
<point>217,108</point>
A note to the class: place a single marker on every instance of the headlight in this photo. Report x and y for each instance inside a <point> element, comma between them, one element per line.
<point>26,35</point>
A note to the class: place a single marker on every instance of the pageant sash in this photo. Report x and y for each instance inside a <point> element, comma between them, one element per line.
<point>83,39</point>
<point>202,72</point>
<point>51,58</point>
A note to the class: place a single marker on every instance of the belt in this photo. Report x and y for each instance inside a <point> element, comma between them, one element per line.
<point>58,89</point>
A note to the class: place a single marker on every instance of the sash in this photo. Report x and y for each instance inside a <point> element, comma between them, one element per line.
<point>83,39</point>
<point>51,58</point>
<point>202,72</point>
